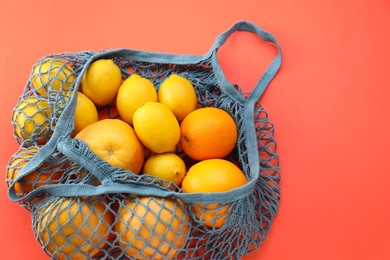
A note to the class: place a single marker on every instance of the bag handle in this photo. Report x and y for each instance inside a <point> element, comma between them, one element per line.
<point>108,186</point>
<point>267,76</point>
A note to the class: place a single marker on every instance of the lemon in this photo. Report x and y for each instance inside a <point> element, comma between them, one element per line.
<point>166,166</point>
<point>134,92</point>
<point>179,95</point>
<point>157,127</point>
<point>52,74</point>
<point>101,81</point>
<point>31,118</point>
<point>84,114</point>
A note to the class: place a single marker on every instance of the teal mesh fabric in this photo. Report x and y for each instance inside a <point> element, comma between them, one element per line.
<point>84,208</point>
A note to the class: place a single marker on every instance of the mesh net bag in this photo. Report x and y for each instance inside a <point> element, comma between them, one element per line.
<point>84,208</point>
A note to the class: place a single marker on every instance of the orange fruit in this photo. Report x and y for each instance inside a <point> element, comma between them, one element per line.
<point>213,175</point>
<point>31,119</point>
<point>84,114</point>
<point>152,228</point>
<point>115,142</point>
<point>157,127</point>
<point>101,81</point>
<point>45,174</point>
<point>208,133</point>
<point>52,74</point>
<point>73,228</point>
<point>179,95</point>
<point>134,92</point>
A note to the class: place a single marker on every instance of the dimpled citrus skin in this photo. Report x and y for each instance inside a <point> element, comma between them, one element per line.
<point>101,81</point>
<point>179,95</point>
<point>162,231</point>
<point>85,113</point>
<point>208,133</point>
<point>213,175</point>
<point>34,179</point>
<point>31,118</point>
<point>52,74</point>
<point>134,92</point>
<point>157,127</point>
<point>115,142</point>
<point>73,227</point>
<point>166,166</point>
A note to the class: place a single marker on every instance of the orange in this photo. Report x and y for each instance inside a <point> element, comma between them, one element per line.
<point>115,142</point>
<point>157,127</point>
<point>71,228</point>
<point>213,175</point>
<point>52,74</point>
<point>101,81</point>
<point>152,228</point>
<point>31,119</point>
<point>208,133</point>
<point>84,114</point>
<point>134,92</point>
<point>179,95</point>
<point>45,174</point>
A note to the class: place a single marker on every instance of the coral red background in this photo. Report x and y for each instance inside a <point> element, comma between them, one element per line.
<point>329,103</point>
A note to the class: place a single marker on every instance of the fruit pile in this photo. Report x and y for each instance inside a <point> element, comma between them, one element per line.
<point>159,131</point>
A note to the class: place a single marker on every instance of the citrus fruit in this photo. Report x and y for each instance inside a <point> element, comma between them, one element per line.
<point>208,133</point>
<point>152,228</point>
<point>213,175</point>
<point>45,174</point>
<point>52,74</point>
<point>101,81</point>
<point>157,127</point>
<point>84,114</point>
<point>134,92</point>
<point>115,142</point>
<point>166,166</point>
<point>73,227</point>
<point>179,95</point>
<point>31,119</point>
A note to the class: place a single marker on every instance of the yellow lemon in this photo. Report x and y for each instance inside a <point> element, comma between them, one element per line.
<point>157,127</point>
<point>101,81</point>
<point>134,92</point>
<point>52,74</point>
<point>84,114</point>
<point>31,119</point>
<point>179,95</point>
<point>167,166</point>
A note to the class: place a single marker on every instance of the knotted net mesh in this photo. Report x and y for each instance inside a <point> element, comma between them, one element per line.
<point>133,224</point>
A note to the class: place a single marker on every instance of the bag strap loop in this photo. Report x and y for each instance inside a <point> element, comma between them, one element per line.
<point>268,75</point>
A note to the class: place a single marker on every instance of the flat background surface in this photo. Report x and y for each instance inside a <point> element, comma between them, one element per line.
<point>329,103</point>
